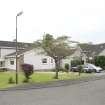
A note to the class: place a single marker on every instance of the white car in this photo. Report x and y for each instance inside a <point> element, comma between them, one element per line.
<point>91,68</point>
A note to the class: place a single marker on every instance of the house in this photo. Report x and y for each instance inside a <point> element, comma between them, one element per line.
<point>86,51</point>
<point>39,61</point>
<point>30,56</point>
<point>8,47</point>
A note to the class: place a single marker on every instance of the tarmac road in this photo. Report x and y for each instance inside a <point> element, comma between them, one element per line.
<point>87,93</point>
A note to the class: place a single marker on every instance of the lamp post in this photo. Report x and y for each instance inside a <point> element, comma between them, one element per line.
<point>19,14</point>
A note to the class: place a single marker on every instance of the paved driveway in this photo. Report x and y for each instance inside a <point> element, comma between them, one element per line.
<point>88,93</point>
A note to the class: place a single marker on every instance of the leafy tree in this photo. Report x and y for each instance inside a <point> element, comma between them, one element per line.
<point>57,48</point>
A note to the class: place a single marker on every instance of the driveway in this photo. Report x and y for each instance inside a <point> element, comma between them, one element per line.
<point>86,93</point>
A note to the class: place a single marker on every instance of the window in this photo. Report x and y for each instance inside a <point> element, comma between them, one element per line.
<point>12,62</point>
<point>44,60</point>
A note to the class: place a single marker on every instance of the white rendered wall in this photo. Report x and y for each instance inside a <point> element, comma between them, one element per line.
<point>8,65</point>
<point>32,57</point>
<point>64,61</point>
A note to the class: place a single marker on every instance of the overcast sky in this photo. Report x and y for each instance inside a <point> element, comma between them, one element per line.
<point>83,20</point>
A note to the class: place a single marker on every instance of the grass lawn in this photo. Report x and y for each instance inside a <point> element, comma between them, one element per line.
<point>37,77</point>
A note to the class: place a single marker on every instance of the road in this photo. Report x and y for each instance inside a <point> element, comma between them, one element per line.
<point>87,93</point>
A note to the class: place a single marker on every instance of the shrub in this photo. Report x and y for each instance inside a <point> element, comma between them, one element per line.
<point>80,68</point>
<point>11,81</point>
<point>61,69</point>
<point>28,70</point>
<point>100,61</point>
<point>25,80</point>
<point>67,67</point>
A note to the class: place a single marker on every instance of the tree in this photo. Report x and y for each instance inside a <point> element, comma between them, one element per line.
<point>57,48</point>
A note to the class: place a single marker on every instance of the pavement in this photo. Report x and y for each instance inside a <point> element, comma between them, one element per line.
<point>85,93</point>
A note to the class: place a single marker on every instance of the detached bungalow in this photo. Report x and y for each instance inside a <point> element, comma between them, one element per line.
<point>88,51</point>
<point>32,56</point>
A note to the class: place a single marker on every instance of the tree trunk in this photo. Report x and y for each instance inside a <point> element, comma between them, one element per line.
<point>57,64</point>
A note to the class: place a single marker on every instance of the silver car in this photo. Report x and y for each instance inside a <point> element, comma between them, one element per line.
<point>91,68</point>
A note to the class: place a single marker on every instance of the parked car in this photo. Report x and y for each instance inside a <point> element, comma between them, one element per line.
<point>91,68</point>
<point>74,69</point>
<point>87,69</point>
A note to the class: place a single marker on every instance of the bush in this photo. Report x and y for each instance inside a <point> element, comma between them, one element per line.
<point>28,70</point>
<point>11,81</point>
<point>67,67</point>
<point>100,61</point>
<point>25,80</point>
<point>61,69</point>
<point>80,68</point>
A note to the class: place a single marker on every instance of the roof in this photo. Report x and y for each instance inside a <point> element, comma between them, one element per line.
<point>92,49</point>
<point>28,49</point>
<point>11,54</point>
<point>19,52</point>
<point>12,44</point>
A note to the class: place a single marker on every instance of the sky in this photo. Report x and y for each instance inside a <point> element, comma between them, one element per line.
<point>82,20</point>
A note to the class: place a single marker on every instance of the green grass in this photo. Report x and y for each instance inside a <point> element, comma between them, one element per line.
<point>37,77</point>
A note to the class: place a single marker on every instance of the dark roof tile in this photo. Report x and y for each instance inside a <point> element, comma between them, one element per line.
<point>92,50</point>
<point>13,44</point>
